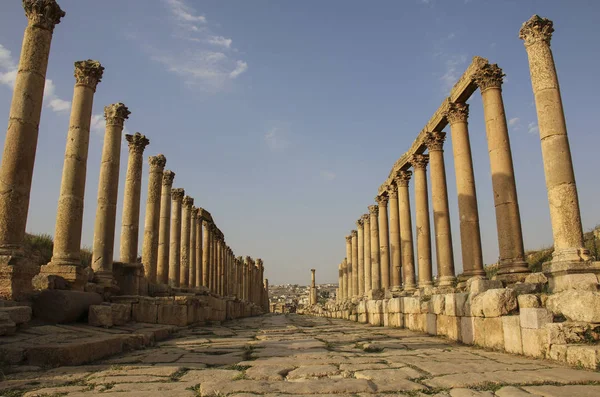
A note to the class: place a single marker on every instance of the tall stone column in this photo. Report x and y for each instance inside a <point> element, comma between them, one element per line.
<point>247,278</point>
<point>266,304</point>
<point>213,259</point>
<point>152,219</point>
<point>313,288</point>
<point>375,249</point>
<point>108,188</point>
<point>345,279</point>
<point>441,211</point>
<point>470,237</point>
<point>16,171</point>
<point>199,251</point>
<point>175,241</point>
<point>218,264</point>
<point>556,153</point>
<point>354,245</point>
<point>361,256</point>
<point>349,266</point>
<point>395,258</point>
<point>206,255</point>
<point>131,201</point>
<point>340,283</point>
<point>184,266</point>
<point>384,240</point>
<point>193,221</point>
<point>66,258</point>
<point>419,163</point>
<point>164,228</point>
<point>406,233</point>
<point>367,251</point>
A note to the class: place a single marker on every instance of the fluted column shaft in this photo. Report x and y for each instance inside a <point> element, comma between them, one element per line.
<point>349,266</point>
<point>563,199</point>
<point>108,188</point>
<point>367,251</point>
<point>164,228</point>
<point>375,248</point>
<point>361,257</point>
<point>152,218</point>
<point>395,258</point>
<point>406,233</point>
<point>441,211</point>
<point>468,212</point>
<point>419,162</point>
<point>175,241</point>
<point>131,201</point>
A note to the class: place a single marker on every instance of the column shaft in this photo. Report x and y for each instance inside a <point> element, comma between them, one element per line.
<point>406,233</point>
<point>349,266</point>
<point>354,245</point>
<point>361,257</point>
<point>199,253</point>
<point>396,261</point>
<point>192,273</point>
<point>175,241</point>
<point>419,162</point>
<point>164,228</point>
<point>375,248</point>
<point>367,251</point>
<point>344,279</point>
<point>206,255</point>
<point>152,218</point>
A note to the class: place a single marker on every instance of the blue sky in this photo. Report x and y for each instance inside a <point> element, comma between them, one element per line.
<point>282,118</point>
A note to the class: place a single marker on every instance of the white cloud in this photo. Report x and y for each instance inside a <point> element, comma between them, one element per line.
<point>514,121</point>
<point>239,69</point>
<point>454,66</point>
<point>277,137</point>
<point>328,175</point>
<point>220,41</point>
<point>533,128</point>
<point>185,13</point>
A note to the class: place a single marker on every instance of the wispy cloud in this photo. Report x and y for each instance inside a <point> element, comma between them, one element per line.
<point>328,175</point>
<point>220,41</point>
<point>533,128</point>
<point>278,136</point>
<point>514,121</point>
<point>454,68</point>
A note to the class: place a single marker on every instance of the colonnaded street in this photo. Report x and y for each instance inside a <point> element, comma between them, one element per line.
<point>280,355</point>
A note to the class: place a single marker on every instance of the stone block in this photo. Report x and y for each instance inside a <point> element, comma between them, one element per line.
<point>60,307</point>
<point>535,318</point>
<point>49,281</point>
<point>499,302</point>
<point>121,313</point>
<point>564,282</point>
<point>511,326</point>
<point>476,306</point>
<point>455,304</point>
<point>18,314</point>
<point>363,318</point>
<point>431,324</point>
<point>100,316</point>
<point>415,322</point>
<point>478,285</point>
<point>172,315</point>
<point>396,320</point>
<point>489,332</point>
<point>145,311</point>
<point>467,329</point>
<point>536,278</point>
<point>7,326</point>
<point>587,356</point>
<point>362,307</point>
<point>448,326</point>
<point>425,306</point>
<point>558,353</point>
<point>438,304</point>
<point>525,288</point>
<point>528,300</point>
<point>411,305</point>
<point>576,305</point>
<point>395,305</point>
<point>569,332</point>
<point>534,342</point>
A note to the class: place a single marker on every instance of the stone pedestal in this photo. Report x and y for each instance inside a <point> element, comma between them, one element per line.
<point>406,237</point>
<point>164,229</point>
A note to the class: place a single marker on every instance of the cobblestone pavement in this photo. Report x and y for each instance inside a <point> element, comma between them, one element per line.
<point>280,355</point>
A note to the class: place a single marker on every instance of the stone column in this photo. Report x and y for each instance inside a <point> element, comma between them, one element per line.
<point>313,288</point>
<point>184,264</point>
<point>206,255</point>
<point>16,171</point>
<point>152,218</point>
<point>441,211</point>
<point>556,153</point>
<point>375,249</point>
<point>419,163</point>
<point>349,266</point>
<point>247,278</point>
<point>108,188</point>
<point>218,254</point>
<point>396,261</point>
<point>199,251</point>
<point>164,228</point>
<point>193,221</point>
<point>131,201</point>
<point>470,237</point>
<point>345,279</point>
<point>213,259</point>
<point>354,245</point>
<point>340,282</point>
<point>361,256</point>
<point>406,233</point>
<point>175,241</point>
<point>266,304</point>
<point>367,251</point>
<point>384,242</point>
<point>66,259</point>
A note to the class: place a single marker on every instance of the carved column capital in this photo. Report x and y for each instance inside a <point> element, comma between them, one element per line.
<point>348,239</point>
<point>392,191</point>
<point>419,161</point>
<point>168,177</point>
<point>535,30</point>
<point>382,200</point>
<point>205,223</point>
<point>360,222</point>
<point>44,14</point>
<point>177,194</point>
<point>489,76</point>
<point>88,73</point>
<point>353,233</point>
<point>435,140</point>
<point>374,209</point>
<point>137,142</point>
<point>457,112</point>
<point>157,162</point>
<point>365,218</point>
<point>116,114</point>
<point>187,202</point>
<point>194,213</point>
<point>402,178</point>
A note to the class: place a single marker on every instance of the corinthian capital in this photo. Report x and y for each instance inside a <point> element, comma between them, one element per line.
<point>419,161</point>
<point>365,218</point>
<point>374,209</point>
<point>187,201</point>
<point>535,30</point>
<point>137,142</point>
<point>177,194</point>
<point>435,140</point>
<point>489,76</point>
<point>116,114</point>
<point>402,178</point>
<point>88,73</point>
<point>360,222</point>
<point>457,113</point>
<point>194,213</point>
<point>349,239</point>
<point>43,14</point>
<point>168,177</point>
<point>392,191</point>
<point>157,162</point>
<point>353,233</point>
<point>382,200</point>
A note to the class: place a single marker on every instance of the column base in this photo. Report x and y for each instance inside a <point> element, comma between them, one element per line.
<point>376,294</point>
<point>72,273</point>
<point>425,284</point>
<point>565,275</point>
<point>512,266</point>
<point>106,282</point>
<point>446,281</point>
<point>410,287</point>
<point>572,255</point>
<point>16,273</point>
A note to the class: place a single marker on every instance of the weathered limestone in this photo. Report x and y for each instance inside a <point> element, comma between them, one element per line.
<point>384,242</point>
<point>441,212</point>
<point>349,270</point>
<point>395,254</point>
<point>338,296</point>
<point>470,236</point>
<point>206,255</point>
<point>66,259</point>
<point>361,256</point>
<point>152,218</point>
<point>20,145</point>
<point>558,165</point>
<point>164,231</point>
<point>192,249</point>
<point>355,278</point>
<point>184,267</point>
<point>375,248</point>
<point>313,288</point>
<point>508,218</point>
<point>367,251</point>
<point>131,200</point>
<point>419,163</point>
<point>199,250</point>
<point>175,240</point>
<point>108,187</point>
<point>345,294</point>
<point>406,238</point>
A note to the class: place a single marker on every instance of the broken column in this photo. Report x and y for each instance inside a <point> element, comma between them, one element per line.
<point>175,239</point>
<point>164,230</point>
<point>152,218</point>
<point>313,288</point>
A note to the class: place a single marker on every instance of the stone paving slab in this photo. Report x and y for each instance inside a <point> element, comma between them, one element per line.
<point>291,355</point>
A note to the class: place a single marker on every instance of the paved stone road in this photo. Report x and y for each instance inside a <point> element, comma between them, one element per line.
<point>278,355</point>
